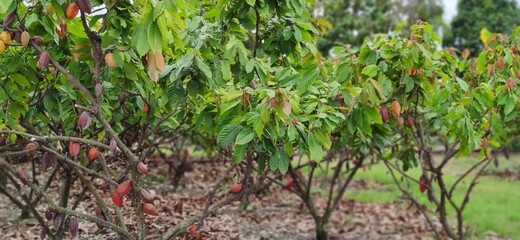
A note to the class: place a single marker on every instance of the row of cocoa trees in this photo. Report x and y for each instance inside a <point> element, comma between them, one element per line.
<point>92,91</point>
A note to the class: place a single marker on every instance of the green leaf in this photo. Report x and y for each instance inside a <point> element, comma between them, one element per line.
<point>228,134</point>
<point>239,153</point>
<point>463,85</point>
<point>140,40</point>
<point>315,149</point>
<point>226,70</point>
<point>154,37</point>
<point>245,136</point>
<point>370,70</point>
<point>206,71</point>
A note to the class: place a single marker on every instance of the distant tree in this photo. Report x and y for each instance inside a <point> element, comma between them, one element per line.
<point>354,20</point>
<point>473,15</point>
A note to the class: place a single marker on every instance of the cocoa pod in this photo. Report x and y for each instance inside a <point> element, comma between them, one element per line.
<point>44,60</point>
<point>465,53</point>
<point>109,59</point>
<point>84,120</point>
<point>5,37</point>
<point>74,148</point>
<point>38,40</point>
<point>499,64</point>
<point>146,196</point>
<point>99,213</point>
<point>122,98</point>
<point>383,111</point>
<point>510,83</point>
<point>9,19</point>
<point>49,213</point>
<point>485,143</point>
<point>58,218</point>
<point>22,175</point>
<point>117,199</point>
<point>142,168</point>
<point>72,10</point>
<point>113,146</point>
<point>149,209</point>
<point>236,188</point>
<point>85,6</point>
<point>73,226</point>
<point>514,50</point>
<point>396,108</point>
<point>99,89</point>
<point>30,146</point>
<point>423,184</point>
<point>2,47</point>
<point>48,160</point>
<point>62,30</point>
<point>43,233</point>
<point>24,38</point>
<point>93,153</point>
<point>159,61</point>
<point>124,188</point>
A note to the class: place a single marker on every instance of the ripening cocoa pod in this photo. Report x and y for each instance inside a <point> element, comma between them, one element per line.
<point>423,184</point>
<point>30,146</point>
<point>159,61</point>
<point>122,98</point>
<point>92,153</point>
<point>149,209</point>
<point>84,120</point>
<point>113,146</point>
<point>47,160</point>
<point>98,89</point>
<point>24,38</point>
<point>58,218</point>
<point>44,60</point>
<point>73,226</point>
<point>465,53</point>
<point>72,10</point>
<point>499,64</point>
<point>514,50</point>
<point>396,108</point>
<point>124,188</point>
<point>383,111</point>
<point>49,213</point>
<point>99,213</point>
<point>236,188</point>
<point>109,59</point>
<point>146,196</point>
<point>9,19</point>
<point>485,143</point>
<point>5,37</point>
<point>2,47</point>
<point>38,40</point>
<point>85,6</point>
<point>142,168</point>
<point>117,199</point>
<point>510,83</point>
<point>410,121</point>
<point>74,148</point>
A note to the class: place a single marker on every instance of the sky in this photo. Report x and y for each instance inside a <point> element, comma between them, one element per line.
<point>450,9</point>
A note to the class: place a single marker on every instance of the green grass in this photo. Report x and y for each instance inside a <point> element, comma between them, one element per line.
<point>493,204</point>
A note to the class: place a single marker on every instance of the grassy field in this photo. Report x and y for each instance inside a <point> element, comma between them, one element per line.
<point>494,204</point>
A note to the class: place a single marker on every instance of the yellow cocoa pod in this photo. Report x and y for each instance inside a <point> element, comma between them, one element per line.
<point>2,47</point>
<point>25,38</point>
<point>109,59</point>
<point>5,37</point>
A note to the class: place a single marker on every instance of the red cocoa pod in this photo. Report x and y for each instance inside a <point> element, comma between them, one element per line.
<point>192,229</point>
<point>92,153</point>
<point>49,213</point>
<point>98,89</point>
<point>383,111</point>
<point>396,108</point>
<point>58,218</point>
<point>85,6</point>
<point>24,38</point>
<point>510,83</point>
<point>410,121</point>
<point>236,188</point>
<point>289,184</point>
<point>499,64</point>
<point>84,120</point>
<point>142,168</point>
<point>44,60</point>
<point>485,143</point>
<point>72,10</point>
<point>73,226</point>
<point>117,199</point>
<point>38,40</point>
<point>22,175</point>
<point>124,188</point>
<point>99,213</point>
<point>149,209</point>
<point>9,19</point>
<point>146,196</point>
<point>423,184</point>
<point>74,148</point>
<point>47,160</point>
<point>514,50</point>
<point>113,146</point>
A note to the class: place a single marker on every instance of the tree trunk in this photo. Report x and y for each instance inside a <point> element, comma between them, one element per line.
<point>321,231</point>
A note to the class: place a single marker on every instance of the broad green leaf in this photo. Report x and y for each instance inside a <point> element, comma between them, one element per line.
<point>228,134</point>
<point>245,136</point>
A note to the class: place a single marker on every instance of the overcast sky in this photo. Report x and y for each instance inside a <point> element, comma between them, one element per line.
<point>450,9</point>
